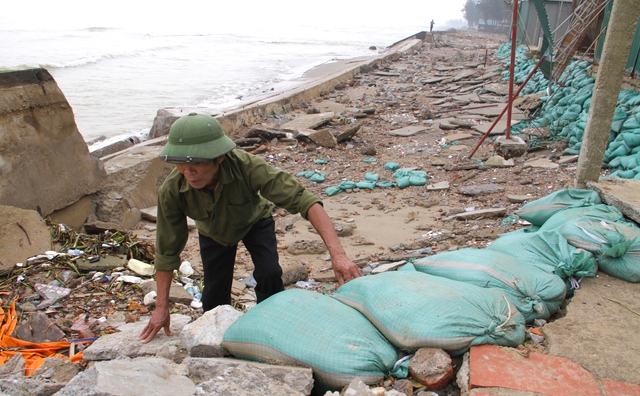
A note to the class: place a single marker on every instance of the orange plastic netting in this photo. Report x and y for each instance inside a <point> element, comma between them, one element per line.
<point>34,353</point>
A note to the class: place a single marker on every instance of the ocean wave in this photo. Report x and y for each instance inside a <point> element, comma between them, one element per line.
<point>87,60</point>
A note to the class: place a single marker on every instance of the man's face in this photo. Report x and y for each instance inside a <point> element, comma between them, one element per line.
<point>202,174</point>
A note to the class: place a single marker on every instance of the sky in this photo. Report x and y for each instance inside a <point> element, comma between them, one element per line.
<point>225,15</point>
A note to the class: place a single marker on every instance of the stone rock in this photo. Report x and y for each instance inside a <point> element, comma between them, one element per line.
<point>151,376</point>
<point>286,223</point>
<point>201,370</point>
<point>23,234</point>
<point>404,386</point>
<point>244,380</point>
<point>101,263</point>
<point>73,215</point>
<point>35,113</point>
<point>38,328</point>
<point>177,293</point>
<point>50,294</point>
<point>133,178</point>
<point>151,214</point>
<point>496,161</point>
<point>57,369</point>
<point>307,247</point>
<point>324,138</point>
<point>443,185</point>
<point>481,189</point>
<point>307,121</point>
<point>462,376</point>
<point>431,367</point>
<point>294,273</point>
<point>347,133</point>
<point>13,367</point>
<point>510,148</point>
<point>457,136</point>
<point>125,344</point>
<point>203,337</point>
<point>480,213</point>
<point>358,388</point>
<point>407,131</point>
<point>519,198</point>
<point>541,163</point>
<point>166,117</point>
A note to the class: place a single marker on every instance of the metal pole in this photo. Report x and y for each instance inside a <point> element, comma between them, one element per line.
<point>514,34</point>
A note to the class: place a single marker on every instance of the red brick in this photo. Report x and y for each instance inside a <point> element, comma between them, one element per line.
<point>617,388</point>
<point>493,366</point>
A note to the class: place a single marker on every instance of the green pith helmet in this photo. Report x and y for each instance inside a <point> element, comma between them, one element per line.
<point>196,138</point>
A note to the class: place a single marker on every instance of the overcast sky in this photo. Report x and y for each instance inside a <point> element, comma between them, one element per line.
<point>227,14</point>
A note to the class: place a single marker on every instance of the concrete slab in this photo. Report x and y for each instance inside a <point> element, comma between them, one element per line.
<point>624,194</point>
<point>308,121</point>
<point>499,129</point>
<point>458,136</point>
<point>407,131</point>
<point>602,310</point>
<point>494,111</point>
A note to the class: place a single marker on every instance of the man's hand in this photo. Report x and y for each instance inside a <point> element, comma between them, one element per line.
<point>160,319</point>
<point>343,267</point>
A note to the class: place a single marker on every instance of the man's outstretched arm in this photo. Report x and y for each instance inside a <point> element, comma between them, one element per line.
<point>344,269</point>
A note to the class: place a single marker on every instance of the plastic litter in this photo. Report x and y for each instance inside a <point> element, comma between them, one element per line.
<point>150,298</point>
<point>307,284</point>
<point>186,268</point>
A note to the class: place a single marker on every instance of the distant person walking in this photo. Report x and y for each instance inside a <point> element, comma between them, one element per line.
<point>431,27</point>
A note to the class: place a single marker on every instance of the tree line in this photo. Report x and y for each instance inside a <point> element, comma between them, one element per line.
<point>487,10</point>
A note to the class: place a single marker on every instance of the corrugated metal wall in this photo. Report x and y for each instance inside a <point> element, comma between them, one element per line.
<point>530,31</point>
<point>633,64</point>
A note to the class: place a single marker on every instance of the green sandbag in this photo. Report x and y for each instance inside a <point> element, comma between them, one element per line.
<point>535,293</point>
<point>415,310</point>
<point>305,328</point>
<point>549,251</point>
<point>538,211</point>
<point>615,245</point>
<point>596,212</point>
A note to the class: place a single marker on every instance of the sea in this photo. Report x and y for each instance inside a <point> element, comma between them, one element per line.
<point>116,79</point>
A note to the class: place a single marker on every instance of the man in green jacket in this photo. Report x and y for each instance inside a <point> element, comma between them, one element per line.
<point>230,195</point>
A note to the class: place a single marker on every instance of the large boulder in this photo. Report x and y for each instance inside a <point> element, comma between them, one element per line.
<point>45,164</point>
<point>23,234</point>
<point>133,178</point>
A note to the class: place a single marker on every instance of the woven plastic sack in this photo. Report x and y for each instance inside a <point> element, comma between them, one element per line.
<point>535,293</point>
<point>305,328</point>
<point>415,310</point>
<point>538,211</point>
<point>548,251</point>
<point>595,212</point>
<point>616,246</point>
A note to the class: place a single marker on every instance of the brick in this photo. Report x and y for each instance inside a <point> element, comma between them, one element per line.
<point>493,366</point>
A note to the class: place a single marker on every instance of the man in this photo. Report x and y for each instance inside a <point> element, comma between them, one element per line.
<point>431,27</point>
<point>230,194</point>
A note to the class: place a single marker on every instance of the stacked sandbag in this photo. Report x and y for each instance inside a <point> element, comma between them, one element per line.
<point>415,310</point>
<point>539,211</point>
<point>595,212</point>
<point>566,106</point>
<point>537,294</point>
<point>305,328</point>
<point>616,246</point>
<point>548,251</point>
